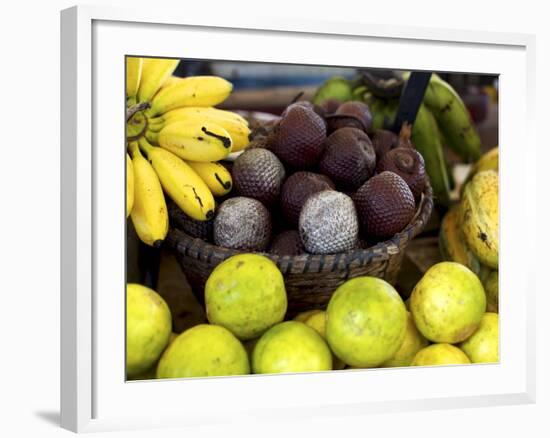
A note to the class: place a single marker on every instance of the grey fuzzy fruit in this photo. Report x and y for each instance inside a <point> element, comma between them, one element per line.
<point>242,223</point>
<point>328,223</point>
<point>258,173</point>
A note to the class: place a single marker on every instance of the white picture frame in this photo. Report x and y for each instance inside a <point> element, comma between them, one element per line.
<point>94,395</point>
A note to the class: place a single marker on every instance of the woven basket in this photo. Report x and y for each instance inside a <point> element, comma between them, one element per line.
<point>310,279</point>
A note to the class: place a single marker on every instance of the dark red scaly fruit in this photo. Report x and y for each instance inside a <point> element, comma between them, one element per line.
<point>295,191</point>
<point>298,138</point>
<point>408,163</point>
<point>258,173</point>
<point>348,158</point>
<point>287,243</point>
<point>385,205</point>
<point>330,106</point>
<point>351,114</point>
<point>383,141</point>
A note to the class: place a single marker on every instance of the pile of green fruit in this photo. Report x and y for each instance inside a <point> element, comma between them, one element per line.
<point>365,325</point>
<point>442,120</point>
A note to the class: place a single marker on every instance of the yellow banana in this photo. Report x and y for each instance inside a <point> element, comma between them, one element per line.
<point>129,185</point>
<point>171,80</point>
<point>149,213</point>
<point>133,76</point>
<point>154,72</point>
<point>451,242</point>
<point>453,119</point>
<point>180,182</point>
<point>237,131</point>
<point>217,177</point>
<point>196,141</point>
<point>191,91</point>
<point>479,216</point>
<point>199,110</point>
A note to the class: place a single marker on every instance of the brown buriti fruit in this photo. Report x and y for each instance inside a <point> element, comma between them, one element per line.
<point>308,105</point>
<point>200,229</point>
<point>383,141</point>
<point>350,114</point>
<point>330,106</point>
<point>409,165</point>
<point>328,223</point>
<point>348,158</point>
<point>287,243</point>
<point>295,191</point>
<point>298,138</point>
<point>242,223</point>
<point>258,173</point>
<point>385,205</point>
<point>406,162</point>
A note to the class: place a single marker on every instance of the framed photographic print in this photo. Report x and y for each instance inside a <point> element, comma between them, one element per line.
<point>258,209</point>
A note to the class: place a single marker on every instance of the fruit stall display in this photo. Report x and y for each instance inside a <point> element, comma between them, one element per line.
<point>292,230</point>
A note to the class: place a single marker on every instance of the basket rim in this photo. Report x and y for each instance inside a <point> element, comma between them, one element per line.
<point>199,249</point>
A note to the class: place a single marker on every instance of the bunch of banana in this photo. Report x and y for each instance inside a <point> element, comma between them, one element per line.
<point>175,137</point>
<point>469,230</point>
<point>443,119</point>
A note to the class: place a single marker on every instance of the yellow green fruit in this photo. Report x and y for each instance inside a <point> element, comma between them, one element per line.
<point>491,291</point>
<point>366,322</point>
<point>440,354</point>
<point>482,346</point>
<point>301,317</point>
<point>412,344</point>
<point>291,347</point>
<point>148,328</point>
<point>204,350</point>
<point>317,320</point>
<point>448,302</point>
<point>479,217</point>
<point>246,294</point>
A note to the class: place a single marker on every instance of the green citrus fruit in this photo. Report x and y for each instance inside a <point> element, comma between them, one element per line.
<point>412,344</point>
<point>482,346</point>
<point>246,294</point>
<point>440,354</point>
<point>291,347</point>
<point>366,322</point>
<point>204,350</point>
<point>148,328</point>
<point>317,320</point>
<point>448,303</point>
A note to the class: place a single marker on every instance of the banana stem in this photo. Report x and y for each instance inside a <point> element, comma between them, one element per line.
<point>135,108</point>
<point>145,146</point>
<point>134,149</point>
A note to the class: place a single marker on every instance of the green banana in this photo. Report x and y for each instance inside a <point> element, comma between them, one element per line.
<point>335,87</point>
<point>453,119</point>
<point>426,140</point>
